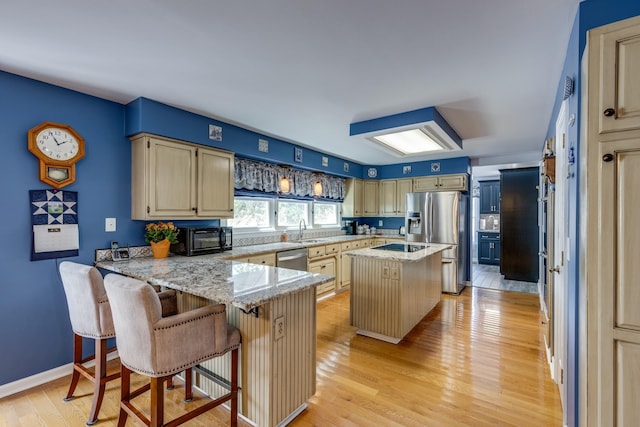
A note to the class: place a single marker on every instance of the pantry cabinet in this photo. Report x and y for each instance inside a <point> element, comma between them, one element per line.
<point>172,179</point>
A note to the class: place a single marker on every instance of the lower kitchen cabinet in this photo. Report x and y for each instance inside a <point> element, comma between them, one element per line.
<point>488,248</point>
<point>324,266</point>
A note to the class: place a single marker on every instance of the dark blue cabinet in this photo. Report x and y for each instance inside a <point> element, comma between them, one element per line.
<point>488,248</point>
<point>489,197</point>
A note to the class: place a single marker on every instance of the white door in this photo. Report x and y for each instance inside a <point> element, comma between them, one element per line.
<point>558,266</point>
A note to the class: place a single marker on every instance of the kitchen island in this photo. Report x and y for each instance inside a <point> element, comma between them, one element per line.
<point>275,311</point>
<point>393,287</point>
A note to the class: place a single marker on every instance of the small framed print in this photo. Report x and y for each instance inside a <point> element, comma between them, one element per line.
<point>215,133</point>
<point>325,161</point>
<point>406,170</point>
<point>297,154</point>
<point>435,167</point>
<point>345,167</point>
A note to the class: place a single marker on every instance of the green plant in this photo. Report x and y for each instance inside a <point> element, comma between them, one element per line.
<point>160,231</point>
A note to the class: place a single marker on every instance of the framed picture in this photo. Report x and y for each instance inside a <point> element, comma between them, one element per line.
<point>345,167</point>
<point>325,161</point>
<point>297,154</point>
<point>406,170</point>
<point>215,133</point>
<point>435,167</point>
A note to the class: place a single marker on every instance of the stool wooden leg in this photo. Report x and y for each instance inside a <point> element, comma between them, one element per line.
<point>99,380</point>
<point>188,385</point>
<point>125,394</point>
<point>77,358</point>
<point>234,388</point>
<point>157,402</point>
<point>170,385</point>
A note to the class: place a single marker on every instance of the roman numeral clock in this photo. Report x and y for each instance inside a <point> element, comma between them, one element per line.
<point>58,147</point>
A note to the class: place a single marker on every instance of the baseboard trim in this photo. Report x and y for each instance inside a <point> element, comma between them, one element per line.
<point>43,378</point>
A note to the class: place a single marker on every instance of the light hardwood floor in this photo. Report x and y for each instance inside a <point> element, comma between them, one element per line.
<point>476,360</point>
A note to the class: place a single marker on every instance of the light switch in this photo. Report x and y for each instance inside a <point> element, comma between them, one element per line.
<point>109,224</point>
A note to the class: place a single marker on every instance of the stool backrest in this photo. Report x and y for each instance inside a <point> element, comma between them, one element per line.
<point>89,309</point>
<point>136,308</point>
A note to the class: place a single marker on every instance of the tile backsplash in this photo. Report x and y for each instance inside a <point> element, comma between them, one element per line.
<point>489,222</point>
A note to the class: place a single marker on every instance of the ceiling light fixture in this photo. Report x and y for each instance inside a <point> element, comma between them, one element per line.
<point>417,132</point>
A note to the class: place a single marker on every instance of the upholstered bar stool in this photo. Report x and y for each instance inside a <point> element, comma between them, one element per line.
<point>161,347</point>
<point>90,316</point>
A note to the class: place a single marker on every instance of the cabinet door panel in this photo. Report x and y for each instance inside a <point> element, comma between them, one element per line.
<point>371,198</point>
<point>403,187</point>
<point>388,198</point>
<point>426,183</point>
<point>453,182</point>
<point>215,183</point>
<point>484,252</point>
<point>620,71</point>
<point>171,180</point>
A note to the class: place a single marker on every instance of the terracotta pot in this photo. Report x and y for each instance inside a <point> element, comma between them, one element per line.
<point>160,249</point>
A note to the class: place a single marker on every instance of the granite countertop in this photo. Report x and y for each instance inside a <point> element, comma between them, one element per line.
<point>236,283</point>
<point>431,248</point>
<point>489,231</point>
<point>243,251</point>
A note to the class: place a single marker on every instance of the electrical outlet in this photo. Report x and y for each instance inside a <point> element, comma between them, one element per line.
<point>279,328</point>
<point>380,223</point>
<point>109,224</point>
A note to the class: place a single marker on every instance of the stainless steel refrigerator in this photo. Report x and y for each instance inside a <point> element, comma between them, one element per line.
<point>440,217</point>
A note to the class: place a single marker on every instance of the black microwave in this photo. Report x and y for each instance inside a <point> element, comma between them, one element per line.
<point>203,240</point>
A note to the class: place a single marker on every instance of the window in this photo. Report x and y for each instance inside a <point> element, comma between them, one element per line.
<point>326,214</point>
<point>291,212</point>
<point>252,212</point>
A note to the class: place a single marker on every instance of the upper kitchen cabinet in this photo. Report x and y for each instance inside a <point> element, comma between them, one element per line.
<point>454,182</point>
<point>371,199</point>
<point>618,105</point>
<point>176,180</point>
<point>490,197</point>
<point>393,194</point>
<point>354,197</point>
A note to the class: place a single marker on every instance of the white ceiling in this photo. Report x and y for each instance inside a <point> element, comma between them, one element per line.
<point>304,70</point>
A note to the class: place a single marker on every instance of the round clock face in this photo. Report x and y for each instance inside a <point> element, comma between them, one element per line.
<point>57,143</point>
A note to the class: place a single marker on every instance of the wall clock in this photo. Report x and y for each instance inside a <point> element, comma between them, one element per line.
<point>58,147</point>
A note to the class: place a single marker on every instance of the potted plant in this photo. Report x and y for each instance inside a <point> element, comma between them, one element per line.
<point>161,235</point>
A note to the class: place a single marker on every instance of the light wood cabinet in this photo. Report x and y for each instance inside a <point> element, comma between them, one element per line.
<point>264,259</point>
<point>177,180</point>
<point>393,196</point>
<point>371,198</point>
<point>453,182</point>
<point>325,265</point>
<point>353,205</point>
<point>612,349</point>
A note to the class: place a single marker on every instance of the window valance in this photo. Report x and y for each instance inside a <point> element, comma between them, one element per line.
<point>251,175</point>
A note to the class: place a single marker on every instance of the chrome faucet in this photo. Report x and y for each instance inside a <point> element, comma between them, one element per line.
<point>300,228</point>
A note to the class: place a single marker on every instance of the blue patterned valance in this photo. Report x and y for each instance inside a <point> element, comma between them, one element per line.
<point>254,176</point>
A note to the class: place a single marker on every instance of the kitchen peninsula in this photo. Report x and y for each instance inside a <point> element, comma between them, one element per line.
<point>393,287</point>
<point>275,311</point>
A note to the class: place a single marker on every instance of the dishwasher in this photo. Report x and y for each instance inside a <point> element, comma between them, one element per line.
<point>294,259</point>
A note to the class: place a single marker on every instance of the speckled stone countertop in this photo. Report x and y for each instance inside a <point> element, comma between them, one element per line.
<point>241,251</point>
<point>209,276</point>
<point>431,248</point>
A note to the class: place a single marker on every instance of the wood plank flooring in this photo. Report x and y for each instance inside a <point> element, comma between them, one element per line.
<point>477,359</point>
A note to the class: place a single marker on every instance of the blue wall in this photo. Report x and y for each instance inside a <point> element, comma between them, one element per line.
<point>34,326</point>
<point>591,14</point>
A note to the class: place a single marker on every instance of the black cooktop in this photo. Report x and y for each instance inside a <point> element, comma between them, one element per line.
<point>401,247</point>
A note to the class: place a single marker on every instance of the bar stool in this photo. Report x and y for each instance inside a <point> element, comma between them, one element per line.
<point>161,347</point>
<point>90,316</point>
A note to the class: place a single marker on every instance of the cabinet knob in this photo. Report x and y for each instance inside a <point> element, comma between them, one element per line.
<point>609,112</point>
<point>194,209</point>
<point>607,157</point>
